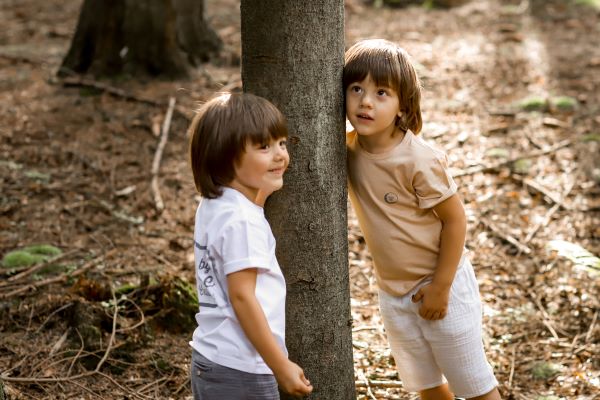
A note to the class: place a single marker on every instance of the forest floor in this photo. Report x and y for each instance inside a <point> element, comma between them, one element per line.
<point>99,320</point>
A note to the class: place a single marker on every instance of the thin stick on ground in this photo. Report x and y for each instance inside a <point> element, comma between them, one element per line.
<point>545,317</point>
<point>550,213</point>
<point>158,201</point>
<point>498,232</point>
<point>499,164</point>
<point>60,278</point>
<point>120,93</point>
<point>38,266</point>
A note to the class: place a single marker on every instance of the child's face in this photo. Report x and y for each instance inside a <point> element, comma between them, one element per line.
<point>260,168</point>
<point>372,109</point>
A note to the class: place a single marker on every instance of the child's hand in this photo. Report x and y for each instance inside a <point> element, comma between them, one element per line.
<point>292,380</point>
<point>435,301</point>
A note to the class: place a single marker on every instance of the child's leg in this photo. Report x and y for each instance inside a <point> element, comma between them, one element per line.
<point>414,359</point>
<point>211,381</point>
<point>493,395</point>
<point>437,393</point>
<point>457,343</point>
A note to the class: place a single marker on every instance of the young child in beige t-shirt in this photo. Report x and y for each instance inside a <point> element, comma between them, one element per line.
<point>414,225</point>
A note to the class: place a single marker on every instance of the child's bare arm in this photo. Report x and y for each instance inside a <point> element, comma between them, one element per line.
<point>242,285</point>
<point>454,227</point>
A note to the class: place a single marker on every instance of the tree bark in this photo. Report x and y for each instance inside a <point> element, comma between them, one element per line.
<point>140,37</point>
<point>293,54</point>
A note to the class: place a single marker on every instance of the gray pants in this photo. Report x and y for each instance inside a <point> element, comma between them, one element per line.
<point>212,381</point>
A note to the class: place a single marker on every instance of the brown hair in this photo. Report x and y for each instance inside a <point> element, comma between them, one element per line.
<point>219,133</point>
<point>388,65</point>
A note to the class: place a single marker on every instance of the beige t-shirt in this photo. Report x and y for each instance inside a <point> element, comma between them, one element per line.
<point>393,194</point>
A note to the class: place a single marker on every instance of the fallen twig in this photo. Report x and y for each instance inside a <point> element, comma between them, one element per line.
<point>60,278</point>
<point>555,207</point>
<point>520,246</point>
<point>554,198</point>
<point>36,267</point>
<point>379,384</point>
<point>492,167</point>
<point>512,366</point>
<point>160,206</point>
<point>588,335</point>
<point>545,317</point>
<point>116,92</point>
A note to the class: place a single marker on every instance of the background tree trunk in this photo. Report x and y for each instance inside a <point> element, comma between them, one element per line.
<point>292,54</point>
<point>140,36</point>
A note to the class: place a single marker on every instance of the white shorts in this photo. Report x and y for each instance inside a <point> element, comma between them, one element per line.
<point>430,353</point>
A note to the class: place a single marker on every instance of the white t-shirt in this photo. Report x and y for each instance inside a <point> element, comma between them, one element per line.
<point>232,234</point>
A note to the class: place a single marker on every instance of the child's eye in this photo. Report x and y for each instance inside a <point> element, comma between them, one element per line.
<point>283,144</point>
<point>382,92</point>
<point>355,89</point>
<point>264,146</point>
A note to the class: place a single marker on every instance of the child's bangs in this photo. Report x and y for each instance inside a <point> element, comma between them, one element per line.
<point>379,66</point>
<point>270,125</point>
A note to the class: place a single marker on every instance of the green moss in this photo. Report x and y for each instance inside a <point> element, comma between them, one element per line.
<point>29,255</point>
<point>429,4</point>
<point>497,152</point>
<point>43,249</point>
<point>591,137</point>
<point>544,370</point>
<point>589,3</point>
<point>37,176</point>
<point>522,166</point>
<point>126,288</point>
<point>20,258</point>
<point>180,297</point>
<point>563,103</point>
<point>533,104</point>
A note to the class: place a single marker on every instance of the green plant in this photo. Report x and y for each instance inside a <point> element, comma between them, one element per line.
<point>544,370</point>
<point>563,103</point>
<point>29,255</point>
<point>533,103</point>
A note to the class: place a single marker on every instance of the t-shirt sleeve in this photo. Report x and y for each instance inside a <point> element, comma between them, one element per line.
<point>432,180</point>
<point>245,244</point>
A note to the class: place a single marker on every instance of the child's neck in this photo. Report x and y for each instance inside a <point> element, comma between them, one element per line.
<point>381,144</point>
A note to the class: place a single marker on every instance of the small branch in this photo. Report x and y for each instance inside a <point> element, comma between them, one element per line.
<point>78,81</point>
<point>495,166</point>
<point>160,206</point>
<point>520,246</point>
<point>512,366</point>
<point>379,384</point>
<point>539,188</point>
<point>370,394</point>
<point>114,91</point>
<point>555,207</point>
<point>37,267</point>
<point>60,278</point>
<point>588,335</point>
<point>545,317</point>
<point>113,331</point>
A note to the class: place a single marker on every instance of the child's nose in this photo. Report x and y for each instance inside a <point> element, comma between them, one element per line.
<point>365,100</point>
<point>280,152</point>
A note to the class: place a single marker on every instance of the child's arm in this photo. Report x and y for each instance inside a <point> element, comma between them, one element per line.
<point>454,229</point>
<point>242,285</point>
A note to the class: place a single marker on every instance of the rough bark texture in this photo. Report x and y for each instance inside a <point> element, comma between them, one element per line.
<point>140,36</point>
<point>292,54</point>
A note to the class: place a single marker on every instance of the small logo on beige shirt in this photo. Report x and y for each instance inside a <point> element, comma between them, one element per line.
<point>390,197</point>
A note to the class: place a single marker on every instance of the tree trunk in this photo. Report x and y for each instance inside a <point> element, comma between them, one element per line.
<point>293,54</point>
<point>140,37</point>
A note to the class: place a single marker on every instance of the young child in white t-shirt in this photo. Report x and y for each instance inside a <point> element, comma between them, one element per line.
<point>238,157</point>
<point>414,225</point>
